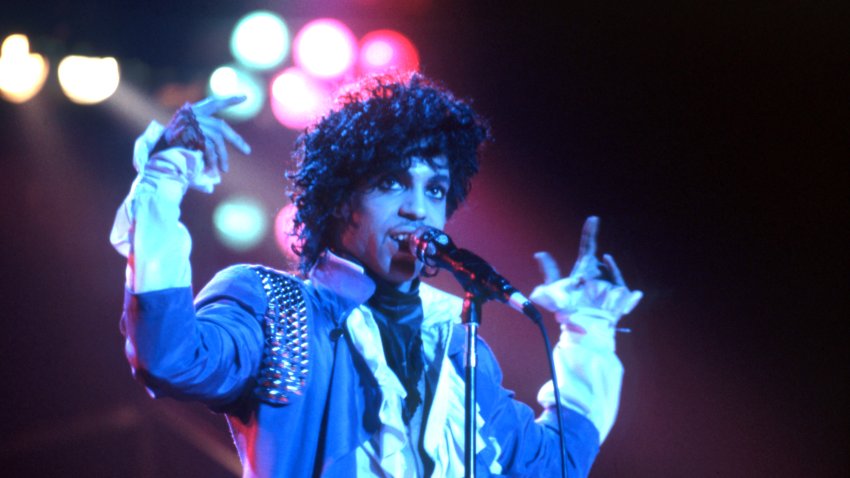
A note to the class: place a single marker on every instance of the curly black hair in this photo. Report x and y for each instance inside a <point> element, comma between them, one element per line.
<point>377,125</point>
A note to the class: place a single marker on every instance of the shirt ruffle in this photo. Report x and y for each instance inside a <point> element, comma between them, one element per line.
<point>444,431</point>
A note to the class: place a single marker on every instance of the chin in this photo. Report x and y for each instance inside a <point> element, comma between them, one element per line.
<point>403,270</point>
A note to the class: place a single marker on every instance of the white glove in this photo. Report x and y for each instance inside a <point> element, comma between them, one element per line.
<point>592,299</point>
<point>147,228</point>
<point>588,305</point>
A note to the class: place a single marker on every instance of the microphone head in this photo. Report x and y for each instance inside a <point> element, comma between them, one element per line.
<point>427,242</point>
<point>435,248</point>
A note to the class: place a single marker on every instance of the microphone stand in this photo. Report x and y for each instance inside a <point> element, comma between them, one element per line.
<point>471,318</point>
<point>480,283</point>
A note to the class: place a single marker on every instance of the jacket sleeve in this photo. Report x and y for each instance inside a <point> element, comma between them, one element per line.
<point>523,445</point>
<point>208,351</point>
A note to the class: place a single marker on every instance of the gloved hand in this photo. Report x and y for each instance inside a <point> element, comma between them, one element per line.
<point>193,147</point>
<point>590,301</point>
<point>190,152</point>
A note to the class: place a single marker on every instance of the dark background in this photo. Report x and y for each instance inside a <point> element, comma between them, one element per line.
<point>707,136</point>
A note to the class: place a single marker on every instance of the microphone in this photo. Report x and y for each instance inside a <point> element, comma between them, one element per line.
<point>435,248</point>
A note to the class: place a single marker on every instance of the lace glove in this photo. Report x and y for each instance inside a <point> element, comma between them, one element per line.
<point>147,230</point>
<point>588,304</point>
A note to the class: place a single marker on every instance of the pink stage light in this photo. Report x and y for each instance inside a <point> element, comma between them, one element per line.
<point>283,227</point>
<point>325,48</point>
<point>383,50</point>
<point>297,99</point>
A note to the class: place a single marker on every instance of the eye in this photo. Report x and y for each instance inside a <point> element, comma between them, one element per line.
<point>388,183</point>
<point>437,191</point>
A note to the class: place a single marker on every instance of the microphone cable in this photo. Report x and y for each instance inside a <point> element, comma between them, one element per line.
<point>535,316</point>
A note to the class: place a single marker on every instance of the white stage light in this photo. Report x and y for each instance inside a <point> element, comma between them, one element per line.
<point>22,74</point>
<point>88,80</point>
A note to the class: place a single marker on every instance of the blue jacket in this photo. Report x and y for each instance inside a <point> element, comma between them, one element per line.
<point>211,351</point>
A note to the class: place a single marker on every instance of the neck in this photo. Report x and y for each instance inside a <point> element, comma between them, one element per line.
<point>392,289</point>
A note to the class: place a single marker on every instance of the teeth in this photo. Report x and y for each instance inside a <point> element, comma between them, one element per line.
<point>400,237</point>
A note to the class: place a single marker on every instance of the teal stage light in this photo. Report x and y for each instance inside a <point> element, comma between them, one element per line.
<point>240,222</point>
<point>231,80</point>
<point>260,40</point>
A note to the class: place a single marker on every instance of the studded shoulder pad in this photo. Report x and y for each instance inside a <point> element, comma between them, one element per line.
<point>285,362</point>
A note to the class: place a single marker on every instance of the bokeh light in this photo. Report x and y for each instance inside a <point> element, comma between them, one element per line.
<point>325,48</point>
<point>297,99</point>
<point>88,80</point>
<point>229,81</point>
<point>240,222</point>
<point>260,40</point>
<point>384,50</point>
<point>22,73</point>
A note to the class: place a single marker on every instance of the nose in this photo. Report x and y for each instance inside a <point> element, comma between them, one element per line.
<point>413,205</point>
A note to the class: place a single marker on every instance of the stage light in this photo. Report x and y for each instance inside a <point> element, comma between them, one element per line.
<point>325,48</point>
<point>88,80</point>
<point>22,74</point>
<point>260,40</point>
<point>240,223</point>
<point>383,50</point>
<point>297,99</point>
<point>230,81</point>
<point>283,227</point>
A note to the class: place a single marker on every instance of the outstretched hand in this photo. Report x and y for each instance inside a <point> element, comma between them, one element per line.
<point>216,132</point>
<point>195,127</point>
<point>587,276</point>
<point>587,266</point>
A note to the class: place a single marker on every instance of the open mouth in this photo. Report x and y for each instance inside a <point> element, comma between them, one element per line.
<point>402,240</point>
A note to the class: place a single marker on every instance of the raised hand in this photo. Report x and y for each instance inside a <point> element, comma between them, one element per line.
<point>587,266</point>
<point>217,133</point>
<point>195,127</point>
<point>584,287</point>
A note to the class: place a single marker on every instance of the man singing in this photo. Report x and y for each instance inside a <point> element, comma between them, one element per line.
<point>353,366</point>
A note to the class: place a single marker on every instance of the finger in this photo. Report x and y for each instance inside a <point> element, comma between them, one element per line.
<point>586,267</point>
<point>548,267</point>
<point>616,275</point>
<point>221,152</point>
<point>219,127</point>
<point>211,128</point>
<point>235,139</point>
<point>213,104</point>
<point>210,154</point>
<point>587,246</point>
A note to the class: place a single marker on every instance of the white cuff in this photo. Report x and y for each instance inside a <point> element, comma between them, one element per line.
<point>192,170</point>
<point>589,372</point>
<point>590,381</point>
<point>571,294</point>
<point>147,228</point>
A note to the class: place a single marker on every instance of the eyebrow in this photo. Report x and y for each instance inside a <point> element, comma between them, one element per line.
<point>440,174</point>
<point>440,177</point>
